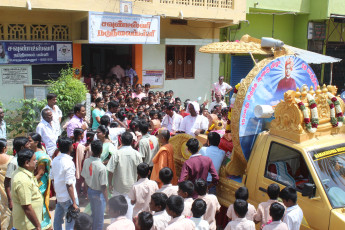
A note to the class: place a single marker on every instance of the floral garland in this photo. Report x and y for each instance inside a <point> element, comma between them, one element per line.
<point>310,124</point>
<point>337,117</point>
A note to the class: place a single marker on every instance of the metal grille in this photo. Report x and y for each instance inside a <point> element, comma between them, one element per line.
<point>182,2</point>
<point>16,32</point>
<point>39,32</point>
<point>226,4</point>
<point>198,2</point>
<point>60,33</point>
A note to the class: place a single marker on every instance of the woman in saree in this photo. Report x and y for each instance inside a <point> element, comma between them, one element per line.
<point>5,212</point>
<point>42,176</point>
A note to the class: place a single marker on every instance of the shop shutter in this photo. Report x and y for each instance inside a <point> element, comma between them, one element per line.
<point>240,67</point>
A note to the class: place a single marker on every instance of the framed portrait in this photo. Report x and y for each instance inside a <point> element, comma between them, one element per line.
<point>125,7</point>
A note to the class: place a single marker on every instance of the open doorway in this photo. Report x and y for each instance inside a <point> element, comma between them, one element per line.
<point>98,59</point>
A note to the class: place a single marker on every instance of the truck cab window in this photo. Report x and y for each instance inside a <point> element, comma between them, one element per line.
<point>286,166</point>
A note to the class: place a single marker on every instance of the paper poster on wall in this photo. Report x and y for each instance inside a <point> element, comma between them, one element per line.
<point>40,93</point>
<point>154,78</point>
<point>12,75</point>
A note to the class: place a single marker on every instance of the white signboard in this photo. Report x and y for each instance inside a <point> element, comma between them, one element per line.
<point>123,29</point>
<point>64,52</point>
<point>15,75</point>
<point>154,78</point>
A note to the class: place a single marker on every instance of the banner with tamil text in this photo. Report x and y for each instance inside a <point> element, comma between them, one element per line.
<point>108,28</point>
<point>26,52</point>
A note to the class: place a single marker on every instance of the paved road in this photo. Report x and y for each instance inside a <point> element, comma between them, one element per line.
<point>83,202</point>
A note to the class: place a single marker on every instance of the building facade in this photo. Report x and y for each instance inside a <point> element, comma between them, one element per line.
<point>172,62</point>
<point>316,25</point>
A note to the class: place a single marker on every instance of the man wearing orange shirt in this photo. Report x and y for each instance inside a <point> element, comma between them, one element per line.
<point>164,158</point>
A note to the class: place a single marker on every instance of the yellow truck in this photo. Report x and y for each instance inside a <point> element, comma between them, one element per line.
<point>293,138</point>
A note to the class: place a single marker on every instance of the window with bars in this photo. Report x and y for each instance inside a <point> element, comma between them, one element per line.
<point>179,62</point>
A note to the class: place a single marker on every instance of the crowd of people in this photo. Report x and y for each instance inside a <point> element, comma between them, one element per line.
<point>121,158</point>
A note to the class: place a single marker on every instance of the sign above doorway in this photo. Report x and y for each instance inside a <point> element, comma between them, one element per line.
<point>108,28</point>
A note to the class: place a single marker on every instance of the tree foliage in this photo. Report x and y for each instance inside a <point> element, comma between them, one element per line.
<point>69,90</point>
<point>25,119</point>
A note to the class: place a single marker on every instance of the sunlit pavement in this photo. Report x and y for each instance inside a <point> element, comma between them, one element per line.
<point>82,203</point>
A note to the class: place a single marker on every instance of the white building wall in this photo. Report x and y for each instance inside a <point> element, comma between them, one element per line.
<point>206,69</point>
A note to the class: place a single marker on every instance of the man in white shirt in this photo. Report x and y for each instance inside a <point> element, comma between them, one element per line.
<point>57,114</point>
<point>62,174</point>
<point>171,120</point>
<point>216,155</point>
<point>113,108</point>
<point>47,132</point>
<point>114,133</point>
<point>133,76</point>
<point>2,124</point>
<point>118,71</point>
<point>220,86</point>
<point>193,124</point>
<point>293,215</point>
<point>218,101</point>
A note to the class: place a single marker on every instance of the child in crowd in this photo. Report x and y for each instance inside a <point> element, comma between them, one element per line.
<point>157,205</point>
<point>95,174</point>
<point>240,223</point>
<point>211,200</point>
<point>83,222</point>
<point>198,209</point>
<point>276,212</point>
<point>294,215</point>
<point>144,221</point>
<point>117,209</point>
<point>142,190</point>
<point>241,194</point>
<point>263,213</point>
<point>175,208</point>
<point>90,135</point>
<point>78,155</point>
<point>166,175</point>
<point>186,190</point>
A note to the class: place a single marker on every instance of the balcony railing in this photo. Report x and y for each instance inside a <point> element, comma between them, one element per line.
<point>227,4</point>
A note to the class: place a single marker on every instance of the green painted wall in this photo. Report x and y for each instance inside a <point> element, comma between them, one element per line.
<point>300,6</point>
<point>318,9</point>
<point>336,7</point>
<point>260,25</point>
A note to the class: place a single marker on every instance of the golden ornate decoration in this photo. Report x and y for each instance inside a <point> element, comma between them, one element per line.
<point>238,163</point>
<point>246,45</point>
<point>181,153</point>
<point>289,121</point>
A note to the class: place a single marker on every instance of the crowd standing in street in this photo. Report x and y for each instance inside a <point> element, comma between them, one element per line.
<point>121,158</point>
